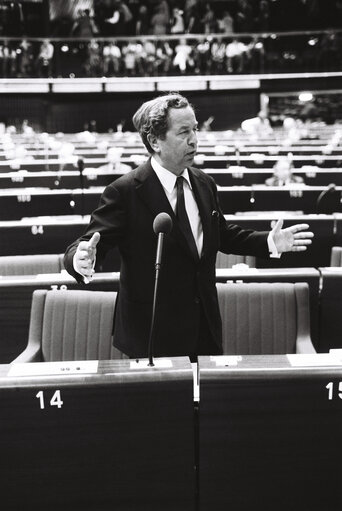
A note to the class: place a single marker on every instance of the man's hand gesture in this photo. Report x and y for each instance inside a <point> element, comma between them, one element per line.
<point>85,257</point>
<point>292,239</point>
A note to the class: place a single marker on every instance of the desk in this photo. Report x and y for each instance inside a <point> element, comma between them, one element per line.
<point>121,439</point>
<point>269,436</point>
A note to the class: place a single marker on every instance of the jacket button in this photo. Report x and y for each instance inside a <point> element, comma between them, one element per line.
<point>197,300</point>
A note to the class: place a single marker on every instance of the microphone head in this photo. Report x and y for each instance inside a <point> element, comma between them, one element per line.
<point>162,223</point>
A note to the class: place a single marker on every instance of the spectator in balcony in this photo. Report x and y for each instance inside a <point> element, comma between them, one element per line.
<point>255,56</point>
<point>8,60</point>
<point>262,20</point>
<point>119,22</point>
<point>283,173</point>
<point>111,59</point>
<point>142,22</point>
<point>160,21</point>
<point>202,58</point>
<point>84,25</point>
<point>192,18</point>
<point>218,56</point>
<point>44,59</point>
<point>244,18</point>
<point>149,57</point>
<point>183,59</point>
<point>25,59</point>
<point>164,56</point>
<point>236,53</point>
<point>209,20</point>
<point>177,22</point>
<point>226,23</point>
<point>133,54</point>
<point>93,63</point>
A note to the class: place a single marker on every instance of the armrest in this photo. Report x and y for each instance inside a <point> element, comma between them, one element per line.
<point>32,353</point>
<point>304,345</point>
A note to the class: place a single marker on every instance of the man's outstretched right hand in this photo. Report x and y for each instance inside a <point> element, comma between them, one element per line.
<point>85,257</point>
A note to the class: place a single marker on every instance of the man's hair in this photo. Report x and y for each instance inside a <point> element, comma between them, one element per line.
<point>152,116</point>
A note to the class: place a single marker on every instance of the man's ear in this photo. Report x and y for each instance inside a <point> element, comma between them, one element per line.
<point>153,141</point>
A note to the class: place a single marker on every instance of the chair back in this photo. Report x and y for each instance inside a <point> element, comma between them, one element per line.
<point>228,260</point>
<point>73,324</point>
<point>31,264</point>
<point>264,318</point>
<point>336,256</point>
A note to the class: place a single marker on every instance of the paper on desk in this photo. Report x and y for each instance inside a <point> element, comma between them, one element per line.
<point>316,360</point>
<point>53,368</point>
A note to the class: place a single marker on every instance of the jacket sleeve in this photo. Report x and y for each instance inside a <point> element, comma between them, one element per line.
<point>236,240</point>
<point>110,220</point>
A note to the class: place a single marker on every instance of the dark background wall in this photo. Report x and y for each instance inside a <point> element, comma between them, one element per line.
<point>72,112</point>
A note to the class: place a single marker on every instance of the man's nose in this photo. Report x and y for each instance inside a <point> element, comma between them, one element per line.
<point>192,139</point>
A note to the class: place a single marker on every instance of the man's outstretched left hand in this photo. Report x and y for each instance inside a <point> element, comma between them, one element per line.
<point>292,239</point>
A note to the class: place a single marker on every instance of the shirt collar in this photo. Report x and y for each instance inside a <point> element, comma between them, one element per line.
<point>167,178</point>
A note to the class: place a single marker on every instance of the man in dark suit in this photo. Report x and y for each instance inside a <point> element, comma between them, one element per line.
<point>187,318</point>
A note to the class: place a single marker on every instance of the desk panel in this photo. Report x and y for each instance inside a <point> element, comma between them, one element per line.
<point>115,442</point>
<point>269,435</point>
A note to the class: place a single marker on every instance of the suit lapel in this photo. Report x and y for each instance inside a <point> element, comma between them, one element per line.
<point>151,192</point>
<point>203,199</point>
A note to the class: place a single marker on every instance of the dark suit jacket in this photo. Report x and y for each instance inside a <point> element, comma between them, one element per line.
<point>124,219</point>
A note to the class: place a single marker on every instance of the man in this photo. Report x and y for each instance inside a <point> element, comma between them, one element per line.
<point>187,318</point>
<point>282,174</point>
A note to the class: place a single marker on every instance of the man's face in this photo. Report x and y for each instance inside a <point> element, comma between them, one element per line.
<point>177,150</point>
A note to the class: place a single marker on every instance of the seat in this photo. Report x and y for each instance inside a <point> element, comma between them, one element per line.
<point>229,260</point>
<point>336,256</point>
<point>70,325</point>
<point>31,264</point>
<point>265,318</point>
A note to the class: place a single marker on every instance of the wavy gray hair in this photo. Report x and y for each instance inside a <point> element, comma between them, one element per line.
<point>152,117</point>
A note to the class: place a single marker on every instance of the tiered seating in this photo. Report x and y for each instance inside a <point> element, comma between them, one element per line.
<point>46,200</point>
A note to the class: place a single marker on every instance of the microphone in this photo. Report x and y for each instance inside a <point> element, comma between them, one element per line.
<point>162,225</point>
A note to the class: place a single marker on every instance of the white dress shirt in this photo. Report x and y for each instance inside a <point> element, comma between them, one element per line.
<point>168,182</point>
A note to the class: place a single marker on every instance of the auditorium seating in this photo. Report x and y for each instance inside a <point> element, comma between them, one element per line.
<point>70,325</point>
<point>267,318</point>
<point>31,264</point>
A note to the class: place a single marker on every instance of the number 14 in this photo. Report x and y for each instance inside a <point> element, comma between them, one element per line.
<point>54,401</point>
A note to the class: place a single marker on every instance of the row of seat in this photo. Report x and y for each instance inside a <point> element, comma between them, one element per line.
<point>268,318</point>
<point>19,203</point>
<point>324,287</point>
<point>232,176</point>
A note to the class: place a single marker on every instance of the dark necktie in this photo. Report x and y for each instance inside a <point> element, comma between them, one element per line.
<point>183,218</point>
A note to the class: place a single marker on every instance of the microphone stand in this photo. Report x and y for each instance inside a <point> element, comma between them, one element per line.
<point>155,293</point>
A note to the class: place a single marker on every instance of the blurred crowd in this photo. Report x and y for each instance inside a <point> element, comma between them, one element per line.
<point>163,37</point>
<point>170,55</point>
<point>107,18</point>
